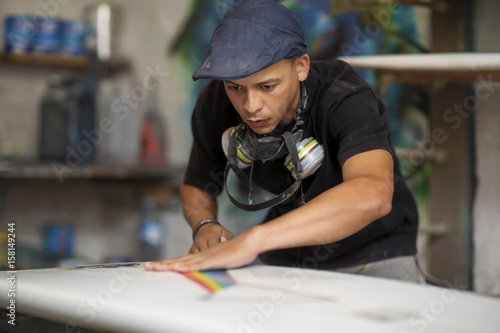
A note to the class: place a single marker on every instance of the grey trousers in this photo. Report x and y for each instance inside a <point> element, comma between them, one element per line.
<point>400,268</point>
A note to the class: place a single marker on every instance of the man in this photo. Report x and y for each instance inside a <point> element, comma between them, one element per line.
<point>353,213</point>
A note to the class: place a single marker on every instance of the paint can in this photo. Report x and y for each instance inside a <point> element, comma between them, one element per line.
<point>50,33</point>
<point>20,34</point>
<point>75,32</point>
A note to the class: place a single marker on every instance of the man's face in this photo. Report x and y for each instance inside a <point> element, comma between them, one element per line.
<point>269,97</point>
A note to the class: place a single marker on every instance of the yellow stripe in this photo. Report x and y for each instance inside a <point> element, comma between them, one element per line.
<point>243,156</point>
<point>311,143</point>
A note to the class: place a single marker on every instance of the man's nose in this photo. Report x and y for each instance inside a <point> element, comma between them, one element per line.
<point>253,101</point>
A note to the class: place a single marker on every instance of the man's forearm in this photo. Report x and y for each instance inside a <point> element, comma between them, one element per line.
<point>364,196</point>
<point>330,217</point>
<point>197,205</point>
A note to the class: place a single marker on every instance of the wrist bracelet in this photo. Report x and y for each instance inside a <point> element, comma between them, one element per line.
<point>201,223</point>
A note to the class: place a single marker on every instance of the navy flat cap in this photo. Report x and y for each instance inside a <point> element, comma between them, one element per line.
<point>250,37</point>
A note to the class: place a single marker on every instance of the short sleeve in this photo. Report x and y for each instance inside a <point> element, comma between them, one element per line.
<point>358,125</point>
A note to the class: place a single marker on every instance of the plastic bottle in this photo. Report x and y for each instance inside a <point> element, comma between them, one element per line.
<point>153,139</point>
<point>68,120</point>
<point>54,122</point>
<point>120,142</point>
<point>151,232</point>
<point>86,120</point>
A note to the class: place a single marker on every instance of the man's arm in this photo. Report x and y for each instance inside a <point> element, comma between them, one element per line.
<point>364,196</point>
<point>197,206</point>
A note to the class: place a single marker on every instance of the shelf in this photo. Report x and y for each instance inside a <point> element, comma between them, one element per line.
<point>61,172</point>
<point>58,62</point>
<point>425,67</point>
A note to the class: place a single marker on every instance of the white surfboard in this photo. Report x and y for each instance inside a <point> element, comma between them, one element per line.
<point>126,298</point>
<point>457,65</point>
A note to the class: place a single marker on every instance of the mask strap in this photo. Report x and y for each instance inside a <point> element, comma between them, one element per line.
<point>250,187</point>
<point>292,150</point>
<point>298,114</point>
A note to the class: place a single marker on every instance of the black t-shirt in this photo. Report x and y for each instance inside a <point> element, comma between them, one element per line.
<point>345,117</point>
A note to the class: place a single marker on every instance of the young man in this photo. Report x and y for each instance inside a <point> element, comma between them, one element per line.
<point>353,213</point>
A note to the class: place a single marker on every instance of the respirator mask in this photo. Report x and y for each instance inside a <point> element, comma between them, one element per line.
<point>242,147</point>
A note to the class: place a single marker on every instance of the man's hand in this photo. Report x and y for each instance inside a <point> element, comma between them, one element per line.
<point>233,253</point>
<point>208,236</point>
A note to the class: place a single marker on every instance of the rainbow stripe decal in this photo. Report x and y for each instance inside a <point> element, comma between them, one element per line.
<point>212,280</point>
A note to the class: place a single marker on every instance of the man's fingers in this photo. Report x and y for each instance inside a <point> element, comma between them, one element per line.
<point>206,240</point>
<point>192,262</point>
<point>228,235</point>
<point>212,242</point>
<point>166,265</point>
<point>182,264</point>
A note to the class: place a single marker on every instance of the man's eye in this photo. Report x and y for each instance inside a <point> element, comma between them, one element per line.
<point>269,87</point>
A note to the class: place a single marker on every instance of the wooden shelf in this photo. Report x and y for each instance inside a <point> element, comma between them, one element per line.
<point>62,172</point>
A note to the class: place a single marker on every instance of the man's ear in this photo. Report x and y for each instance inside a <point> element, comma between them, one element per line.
<point>302,64</point>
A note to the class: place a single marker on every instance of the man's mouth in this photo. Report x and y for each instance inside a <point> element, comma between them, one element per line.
<point>257,122</point>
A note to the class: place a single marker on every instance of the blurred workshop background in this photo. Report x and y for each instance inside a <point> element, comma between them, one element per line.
<point>95,106</point>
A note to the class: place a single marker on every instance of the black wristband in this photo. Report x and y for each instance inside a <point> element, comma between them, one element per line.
<point>201,223</point>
